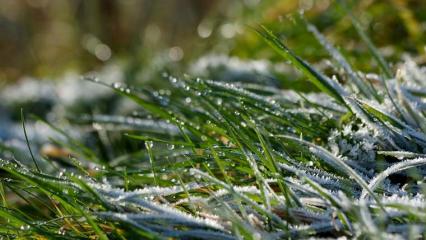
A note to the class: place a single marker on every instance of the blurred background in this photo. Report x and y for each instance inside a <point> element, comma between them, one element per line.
<point>45,38</point>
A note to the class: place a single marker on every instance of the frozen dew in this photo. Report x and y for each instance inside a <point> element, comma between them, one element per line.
<point>62,231</point>
<point>25,227</point>
<point>353,142</point>
<point>149,144</point>
<point>219,101</point>
<point>116,85</point>
<point>62,173</point>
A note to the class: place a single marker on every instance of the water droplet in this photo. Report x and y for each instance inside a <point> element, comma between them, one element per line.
<point>219,101</point>
<point>116,85</point>
<point>61,231</point>
<point>149,144</point>
<point>25,227</point>
<point>171,146</point>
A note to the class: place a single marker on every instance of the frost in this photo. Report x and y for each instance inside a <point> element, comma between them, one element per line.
<point>232,64</point>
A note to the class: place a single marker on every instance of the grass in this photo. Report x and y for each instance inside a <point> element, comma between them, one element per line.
<point>235,160</point>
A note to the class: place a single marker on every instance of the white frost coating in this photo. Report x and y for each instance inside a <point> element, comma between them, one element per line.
<point>356,142</point>
<point>341,60</point>
<point>120,194</point>
<point>203,64</point>
<point>391,170</point>
<point>179,218</point>
<point>145,124</point>
<point>155,209</point>
<point>417,201</point>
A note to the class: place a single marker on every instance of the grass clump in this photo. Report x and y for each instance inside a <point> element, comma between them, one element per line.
<point>208,159</point>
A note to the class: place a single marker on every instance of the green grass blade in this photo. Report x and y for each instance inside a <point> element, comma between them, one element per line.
<point>321,81</point>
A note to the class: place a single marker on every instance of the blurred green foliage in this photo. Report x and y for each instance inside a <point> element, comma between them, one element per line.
<point>43,38</point>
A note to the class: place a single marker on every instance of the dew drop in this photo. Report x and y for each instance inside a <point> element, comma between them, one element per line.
<point>219,101</point>
<point>149,144</point>
<point>25,227</point>
<point>116,85</point>
<point>61,231</point>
